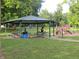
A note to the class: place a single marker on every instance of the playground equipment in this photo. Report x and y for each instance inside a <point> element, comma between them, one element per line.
<point>63,30</point>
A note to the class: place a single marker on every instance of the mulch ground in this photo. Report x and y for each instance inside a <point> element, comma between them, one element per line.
<point>73,34</point>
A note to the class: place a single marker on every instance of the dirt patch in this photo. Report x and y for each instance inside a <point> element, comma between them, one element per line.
<point>68,34</point>
<point>1,54</point>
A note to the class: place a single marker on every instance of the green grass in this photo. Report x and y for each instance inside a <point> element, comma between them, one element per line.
<point>72,37</point>
<point>39,49</point>
<point>74,29</point>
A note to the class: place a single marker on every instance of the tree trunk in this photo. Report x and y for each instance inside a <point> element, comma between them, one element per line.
<point>0,15</point>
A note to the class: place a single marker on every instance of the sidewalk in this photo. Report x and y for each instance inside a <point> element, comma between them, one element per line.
<point>69,40</point>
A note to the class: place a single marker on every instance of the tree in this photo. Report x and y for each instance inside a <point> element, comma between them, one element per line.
<point>0,14</point>
<point>73,16</point>
<point>58,15</point>
<point>17,8</point>
<point>46,14</point>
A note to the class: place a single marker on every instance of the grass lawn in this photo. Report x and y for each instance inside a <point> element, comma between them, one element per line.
<point>72,37</point>
<point>39,49</point>
<point>74,29</point>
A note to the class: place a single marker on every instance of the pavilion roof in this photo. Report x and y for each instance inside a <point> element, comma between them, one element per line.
<point>29,19</point>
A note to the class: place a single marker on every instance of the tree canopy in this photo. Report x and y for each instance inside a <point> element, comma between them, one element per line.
<point>73,15</point>
<point>11,9</point>
<point>57,16</point>
<point>46,14</point>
